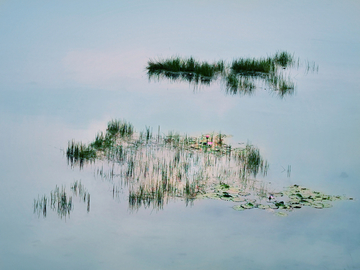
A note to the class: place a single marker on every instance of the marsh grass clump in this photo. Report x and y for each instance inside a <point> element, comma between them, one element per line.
<point>280,85</point>
<point>253,66</point>
<point>166,167</point>
<point>60,201</point>
<point>186,69</point>
<point>120,128</point>
<point>79,153</point>
<point>40,205</point>
<point>253,160</point>
<point>159,193</point>
<point>238,84</point>
<point>160,168</point>
<point>283,59</point>
<point>246,71</point>
<point>188,65</point>
<point>102,141</point>
<point>80,191</point>
<point>263,66</point>
<point>242,76</point>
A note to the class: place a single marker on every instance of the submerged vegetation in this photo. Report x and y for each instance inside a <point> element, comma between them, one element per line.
<point>60,201</point>
<point>242,76</point>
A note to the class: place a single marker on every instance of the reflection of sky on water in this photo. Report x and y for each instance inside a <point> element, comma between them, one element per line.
<point>67,68</point>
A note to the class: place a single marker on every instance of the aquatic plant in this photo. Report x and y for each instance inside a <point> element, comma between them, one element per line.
<point>120,128</point>
<point>280,84</point>
<point>291,198</point>
<point>60,202</point>
<point>283,59</point>
<point>187,65</point>
<point>240,77</point>
<point>253,66</point>
<point>40,205</point>
<point>185,69</point>
<point>157,169</point>
<point>239,84</point>
<point>78,153</point>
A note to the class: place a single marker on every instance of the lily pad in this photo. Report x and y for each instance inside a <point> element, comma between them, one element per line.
<point>273,206</point>
<point>263,206</point>
<point>248,206</point>
<point>225,194</point>
<point>238,199</point>
<point>327,205</point>
<point>238,208</point>
<point>211,196</point>
<point>243,193</point>
<point>317,205</point>
<point>281,214</point>
<point>305,203</point>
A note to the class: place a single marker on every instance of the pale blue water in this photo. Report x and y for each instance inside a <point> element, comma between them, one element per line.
<point>66,69</point>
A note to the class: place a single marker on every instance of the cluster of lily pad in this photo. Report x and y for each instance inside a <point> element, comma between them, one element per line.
<point>291,198</point>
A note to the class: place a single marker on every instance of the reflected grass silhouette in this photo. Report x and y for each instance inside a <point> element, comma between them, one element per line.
<point>60,201</point>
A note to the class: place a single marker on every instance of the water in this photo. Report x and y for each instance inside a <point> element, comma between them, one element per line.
<point>67,69</point>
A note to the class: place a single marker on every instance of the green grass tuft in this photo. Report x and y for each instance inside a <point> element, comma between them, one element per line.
<point>253,66</point>
<point>283,59</point>
<point>79,152</point>
<point>187,69</point>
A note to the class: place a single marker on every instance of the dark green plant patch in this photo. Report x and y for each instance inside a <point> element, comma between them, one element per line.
<point>242,76</point>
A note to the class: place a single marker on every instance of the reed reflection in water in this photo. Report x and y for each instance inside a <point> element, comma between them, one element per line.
<point>61,201</point>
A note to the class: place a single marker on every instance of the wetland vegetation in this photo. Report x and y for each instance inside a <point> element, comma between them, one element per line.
<point>156,169</point>
<point>185,69</point>
<point>242,76</point>
<point>61,201</point>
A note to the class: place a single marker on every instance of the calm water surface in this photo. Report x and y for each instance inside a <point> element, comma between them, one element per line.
<point>68,68</point>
